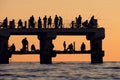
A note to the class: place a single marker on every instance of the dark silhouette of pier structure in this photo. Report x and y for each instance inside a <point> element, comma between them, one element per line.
<point>46,35</point>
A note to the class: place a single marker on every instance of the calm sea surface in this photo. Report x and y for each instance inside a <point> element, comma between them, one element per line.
<point>60,71</point>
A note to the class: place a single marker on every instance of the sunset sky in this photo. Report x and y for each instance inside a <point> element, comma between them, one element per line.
<point>106,11</point>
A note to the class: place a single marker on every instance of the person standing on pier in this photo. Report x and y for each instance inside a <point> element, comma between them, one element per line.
<point>25,24</point>
<point>39,23</point>
<point>64,45</point>
<point>72,24</point>
<point>79,20</point>
<point>31,23</point>
<point>56,21</point>
<point>25,45</point>
<point>45,21</point>
<point>74,45</point>
<point>12,24</point>
<point>60,22</point>
<point>20,23</point>
<point>93,22</point>
<point>49,22</point>
<point>76,22</point>
<point>5,23</point>
<point>83,47</point>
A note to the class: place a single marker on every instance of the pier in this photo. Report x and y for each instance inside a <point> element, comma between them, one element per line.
<point>46,35</point>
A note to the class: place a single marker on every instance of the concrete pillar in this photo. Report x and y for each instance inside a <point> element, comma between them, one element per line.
<point>95,38</point>
<point>96,51</point>
<point>4,53</point>
<point>46,47</point>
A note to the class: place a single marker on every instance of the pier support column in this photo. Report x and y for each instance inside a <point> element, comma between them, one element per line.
<point>46,47</point>
<point>4,53</point>
<point>96,44</point>
<point>96,51</point>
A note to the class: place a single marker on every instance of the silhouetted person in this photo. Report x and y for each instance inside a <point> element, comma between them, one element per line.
<point>12,48</point>
<point>25,24</point>
<point>39,23</point>
<point>5,23</point>
<point>31,23</point>
<point>60,22</point>
<point>74,45</point>
<point>76,22</point>
<point>93,22</point>
<point>56,21</point>
<point>72,24</point>
<point>64,45</point>
<point>45,22</point>
<point>33,47</point>
<point>25,45</point>
<point>20,24</point>
<point>70,47</point>
<point>83,47</point>
<point>12,24</point>
<point>85,24</point>
<point>79,20</point>
<point>49,22</point>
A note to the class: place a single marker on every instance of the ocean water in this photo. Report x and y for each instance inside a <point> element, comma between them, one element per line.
<point>60,71</point>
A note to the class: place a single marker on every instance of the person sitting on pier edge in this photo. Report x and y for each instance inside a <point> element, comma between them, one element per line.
<point>60,22</point>
<point>12,24</point>
<point>56,21</point>
<point>5,23</point>
<point>20,23</point>
<point>64,45</point>
<point>70,47</point>
<point>83,47</point>
<point>93,22</point>
<point>39,23</point>
<point>12,48</point>
<point>45,21</point>
<point>49,22</point>
<point>31,23</point>
<point>85,24</point>
<point>33,47</point>
<point>25,45</point>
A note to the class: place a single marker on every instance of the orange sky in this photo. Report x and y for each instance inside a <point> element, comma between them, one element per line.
<point>106,11</point>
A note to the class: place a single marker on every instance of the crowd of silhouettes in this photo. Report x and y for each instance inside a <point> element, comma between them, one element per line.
<point>47,22</point>
<point>92,23</point>
<point>24,48</point>
<point>71,46</point>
